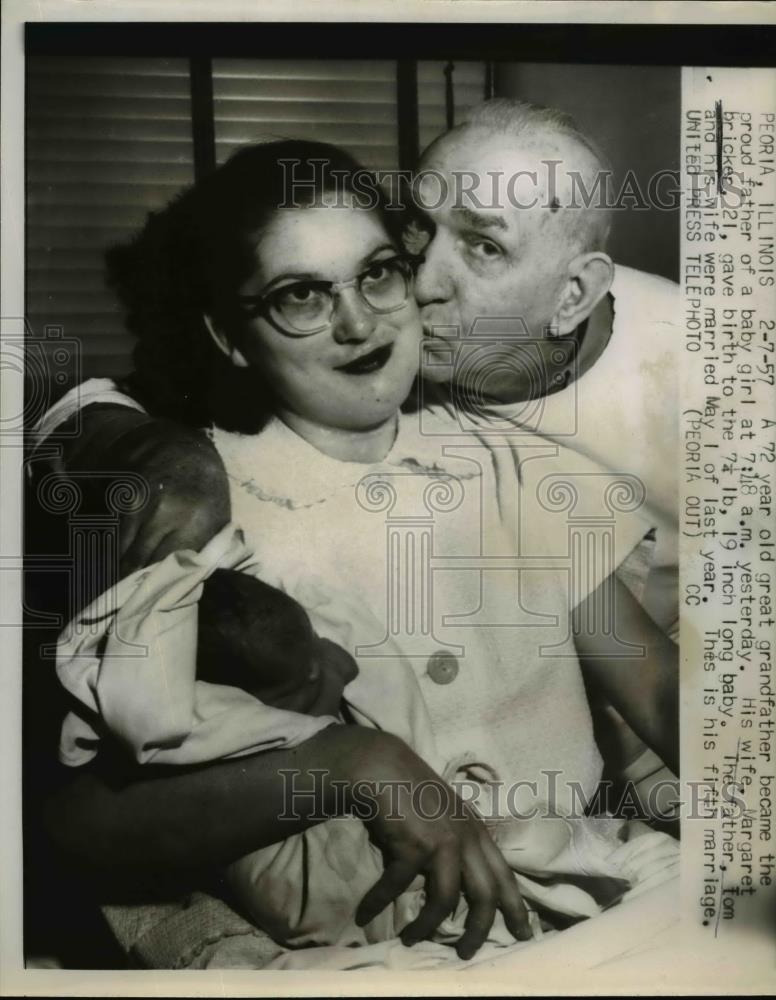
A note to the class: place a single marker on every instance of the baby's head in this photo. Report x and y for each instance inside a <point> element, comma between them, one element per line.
<point>255,637</point>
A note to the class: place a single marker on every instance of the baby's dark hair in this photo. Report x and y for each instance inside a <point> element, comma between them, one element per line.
<point>191,257</point>
<point>250,635</point>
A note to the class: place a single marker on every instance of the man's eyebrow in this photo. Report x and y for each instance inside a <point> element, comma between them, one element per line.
<point>481,221</point>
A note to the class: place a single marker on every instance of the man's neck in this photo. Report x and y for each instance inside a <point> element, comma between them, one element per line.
<point>590,340</point>
<point>599,329</point>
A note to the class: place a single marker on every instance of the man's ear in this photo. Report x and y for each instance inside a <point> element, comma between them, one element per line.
<point>223,344</point>
<point>589,279</point>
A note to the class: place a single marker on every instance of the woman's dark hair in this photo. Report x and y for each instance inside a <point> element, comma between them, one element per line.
<point>190,258</point>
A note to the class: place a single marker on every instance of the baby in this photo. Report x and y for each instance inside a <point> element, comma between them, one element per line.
<point>257,638</point>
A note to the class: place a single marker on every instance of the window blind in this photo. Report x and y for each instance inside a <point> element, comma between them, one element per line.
<point>351,103</point>
<point>108,140</point>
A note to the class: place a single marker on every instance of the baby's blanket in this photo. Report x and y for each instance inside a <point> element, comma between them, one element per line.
<point>129,659</point>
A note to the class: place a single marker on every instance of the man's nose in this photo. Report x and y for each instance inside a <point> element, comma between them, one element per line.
<point>433,282</point>
<point>353,321</point>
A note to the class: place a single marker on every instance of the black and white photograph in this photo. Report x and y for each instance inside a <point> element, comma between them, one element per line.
<point>388,557</point>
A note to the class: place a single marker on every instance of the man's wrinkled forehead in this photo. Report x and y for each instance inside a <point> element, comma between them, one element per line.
<point>487,183</point>
<point>537,181</point>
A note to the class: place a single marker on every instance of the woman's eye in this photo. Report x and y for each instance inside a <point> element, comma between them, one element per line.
<point>377,271</point>
<point>298,293</point>
<point>299,296</point>
<point>300,300</point>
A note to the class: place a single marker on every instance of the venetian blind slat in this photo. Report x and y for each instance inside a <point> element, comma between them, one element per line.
<point>108,140</point>
<point>351,103</point>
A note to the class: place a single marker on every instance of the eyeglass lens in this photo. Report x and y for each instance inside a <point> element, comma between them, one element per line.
<point>307,307</point>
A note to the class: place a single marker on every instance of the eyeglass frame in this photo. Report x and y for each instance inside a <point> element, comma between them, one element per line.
<point>259,304</point>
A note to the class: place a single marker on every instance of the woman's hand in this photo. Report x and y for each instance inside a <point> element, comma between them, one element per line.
<point>423,827</point>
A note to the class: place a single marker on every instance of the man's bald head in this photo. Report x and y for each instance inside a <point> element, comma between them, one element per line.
<point>514,236</point>
<point>553,137</point>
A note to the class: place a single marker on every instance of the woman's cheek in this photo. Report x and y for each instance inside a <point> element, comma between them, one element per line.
<point>310,366</point>
<point>410,320</point>
<point>291,363</point>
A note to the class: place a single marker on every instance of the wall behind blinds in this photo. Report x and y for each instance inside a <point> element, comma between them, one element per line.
<point>468,90</point>
<point>351,103</point>
<point>108,140</point>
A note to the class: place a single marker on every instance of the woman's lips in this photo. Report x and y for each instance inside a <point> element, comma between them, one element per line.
<point>368,363</point>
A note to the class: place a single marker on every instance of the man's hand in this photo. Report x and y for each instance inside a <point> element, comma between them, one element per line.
<point>424,828</point>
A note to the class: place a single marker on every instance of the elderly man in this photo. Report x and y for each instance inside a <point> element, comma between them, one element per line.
<point>533,324</point>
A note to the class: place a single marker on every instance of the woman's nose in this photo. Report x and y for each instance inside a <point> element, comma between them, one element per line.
<point>353,319</point>
<point>433,282</point>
